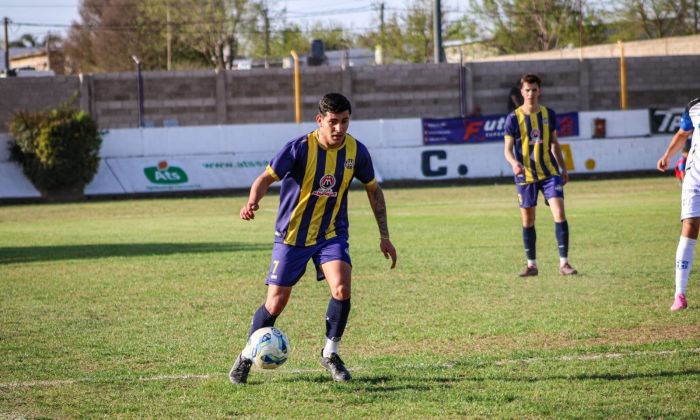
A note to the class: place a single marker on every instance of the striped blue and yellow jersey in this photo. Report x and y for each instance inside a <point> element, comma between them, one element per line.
<point>532,135</point>
<point>313,195</point>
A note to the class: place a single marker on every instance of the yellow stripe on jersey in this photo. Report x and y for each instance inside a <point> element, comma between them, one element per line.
<point>537,149</point>
<point>350,156</point>
<point>322,200</point>
<point>524,145</point>
<point>546,124</point>
<point>305,193</point>
<point>272,172</point>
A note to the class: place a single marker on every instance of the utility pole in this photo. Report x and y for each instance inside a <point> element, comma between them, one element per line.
<point>438,53</point>
<point>48,50</point>
<point>6,22</point>
<point>580,30</point>
<point>382,32</point>
<point>266,26</point>
<point>169,37</point>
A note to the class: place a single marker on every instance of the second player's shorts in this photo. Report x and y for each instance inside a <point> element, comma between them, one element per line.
<point>690,199</point>
<point>552,187</point>
<point>289,262</point>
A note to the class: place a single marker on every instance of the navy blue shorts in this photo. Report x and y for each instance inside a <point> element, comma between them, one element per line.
<point>289,262</point>
<point>552,187</point>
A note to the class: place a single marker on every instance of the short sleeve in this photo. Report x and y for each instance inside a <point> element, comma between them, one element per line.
<point>553,123</point>
<point>283,162</point>
<point>511,126</point>
<point>686,122</point>
<point>364,171</point>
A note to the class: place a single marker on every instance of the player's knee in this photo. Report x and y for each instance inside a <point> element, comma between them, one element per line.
<point>691,227</point>
<point>275,306</point>
<point>341,292</point>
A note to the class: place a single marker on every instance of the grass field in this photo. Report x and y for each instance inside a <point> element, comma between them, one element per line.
<point>138,308</point>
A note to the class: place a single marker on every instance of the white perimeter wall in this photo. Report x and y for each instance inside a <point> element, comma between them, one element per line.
<point>222,157</point>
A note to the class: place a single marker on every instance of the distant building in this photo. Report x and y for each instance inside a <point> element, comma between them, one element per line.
<point>39,60</point>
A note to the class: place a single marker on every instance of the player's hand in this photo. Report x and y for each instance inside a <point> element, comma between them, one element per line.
<point>388,250</point>
<point>517,168</point>
<point>564,177</point>
<point>662,164</point>
<point>248,211</point>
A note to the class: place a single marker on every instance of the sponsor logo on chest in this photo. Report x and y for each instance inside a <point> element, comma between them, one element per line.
<point>325,186</point>
<point>535,136</point>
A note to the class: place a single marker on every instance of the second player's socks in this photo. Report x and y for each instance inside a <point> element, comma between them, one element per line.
<point>530,242</point>
<point>684,262</point>
<point>562,232</point>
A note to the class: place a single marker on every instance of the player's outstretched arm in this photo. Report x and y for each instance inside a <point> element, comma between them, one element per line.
<point>376,201</point>
<point>257,192</point>
<point>674,147</point>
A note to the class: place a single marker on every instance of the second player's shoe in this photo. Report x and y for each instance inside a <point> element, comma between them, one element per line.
<point>567,270</point>
<point>239,372</point>
<point>336,367</point>
<point>529,271</point>
<point>679,303</point>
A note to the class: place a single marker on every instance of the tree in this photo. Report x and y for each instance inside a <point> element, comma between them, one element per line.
<point>516,26</point>
<point>407,36</point>
<point>216,30</point>
<point>271,37</point>
<point>110,32</point>
<point>203,33</point>
<point>646,19</point>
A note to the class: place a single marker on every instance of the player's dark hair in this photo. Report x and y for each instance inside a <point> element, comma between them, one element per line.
<point>335,103</point>
<point>531,79</point>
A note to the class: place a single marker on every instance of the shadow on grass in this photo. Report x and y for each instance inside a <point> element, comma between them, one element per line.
<point>582,377</point>
<point>425,383</point>
<point>377,383</point>
<point>617,376</point>
<point>18,255</point>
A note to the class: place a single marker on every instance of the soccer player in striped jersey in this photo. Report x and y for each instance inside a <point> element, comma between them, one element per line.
<point>690,197</point>
<point>533,152</point>
<point>315,171</point>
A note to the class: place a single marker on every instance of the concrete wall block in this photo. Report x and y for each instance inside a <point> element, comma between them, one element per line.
<point>398,90</point>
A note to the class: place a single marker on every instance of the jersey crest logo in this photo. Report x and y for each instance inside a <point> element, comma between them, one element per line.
<point>349,163</point>
<point>535,136</point>
<point>326,185</point>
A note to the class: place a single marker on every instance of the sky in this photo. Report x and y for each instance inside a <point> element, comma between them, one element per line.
<point>38,17</point>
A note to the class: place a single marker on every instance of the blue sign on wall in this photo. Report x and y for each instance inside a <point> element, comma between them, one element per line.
<point>483,129</point>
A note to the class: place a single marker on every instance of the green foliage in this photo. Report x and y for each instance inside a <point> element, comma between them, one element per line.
<point>407,36</point>
<point>137,309</point>
<point>648,19</point>
<point>57,148</point>
<point>513,26</point>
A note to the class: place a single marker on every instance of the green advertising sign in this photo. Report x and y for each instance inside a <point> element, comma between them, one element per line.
<point>164,174</point>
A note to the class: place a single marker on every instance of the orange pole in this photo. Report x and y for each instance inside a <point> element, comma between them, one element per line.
<point>297,88</point>
<point>623,77</point>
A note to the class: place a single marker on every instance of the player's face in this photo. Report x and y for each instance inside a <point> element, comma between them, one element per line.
<point>530,92</point>
<point>332,128</point>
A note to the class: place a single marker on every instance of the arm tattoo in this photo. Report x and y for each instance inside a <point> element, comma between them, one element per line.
<point>379,208</point>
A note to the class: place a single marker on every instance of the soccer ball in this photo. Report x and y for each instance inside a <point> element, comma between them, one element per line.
<point>268,348</point>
